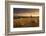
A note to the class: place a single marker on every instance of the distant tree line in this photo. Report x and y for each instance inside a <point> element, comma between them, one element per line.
<point>18,17</point>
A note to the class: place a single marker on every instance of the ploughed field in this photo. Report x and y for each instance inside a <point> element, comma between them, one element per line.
<point>25,21</point>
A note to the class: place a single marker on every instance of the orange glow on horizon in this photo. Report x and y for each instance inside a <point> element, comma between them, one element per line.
<point>28,14</point>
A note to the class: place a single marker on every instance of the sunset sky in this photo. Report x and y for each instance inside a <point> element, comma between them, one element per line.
<point>26,12</point>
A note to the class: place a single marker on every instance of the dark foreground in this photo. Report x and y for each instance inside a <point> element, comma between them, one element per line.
<point>25,22</point>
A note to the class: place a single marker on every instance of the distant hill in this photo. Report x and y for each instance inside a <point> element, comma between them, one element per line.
<point>15,17</point>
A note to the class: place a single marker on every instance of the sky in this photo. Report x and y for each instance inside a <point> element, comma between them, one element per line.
<point>26,12</point>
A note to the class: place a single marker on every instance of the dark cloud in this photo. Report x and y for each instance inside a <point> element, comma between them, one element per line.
<point>22,10</point>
